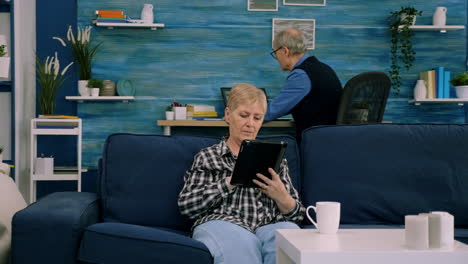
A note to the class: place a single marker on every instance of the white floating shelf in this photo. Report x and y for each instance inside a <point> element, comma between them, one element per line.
<point>55,131</point>
<point>129,25</point>
<point>55,177</point>
<point>442,29</point>
<point>81,99</point>
<point>459,101</point>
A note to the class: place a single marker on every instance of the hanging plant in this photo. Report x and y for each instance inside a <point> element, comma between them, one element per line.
<point>401,46</point>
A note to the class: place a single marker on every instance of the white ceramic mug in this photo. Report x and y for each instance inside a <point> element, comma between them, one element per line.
<point>328,216</point>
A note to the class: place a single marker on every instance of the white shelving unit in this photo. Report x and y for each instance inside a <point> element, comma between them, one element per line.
<point>58,127</point>
<point>442,29</point>
<point>459,101</point>
<point>81,99</point>
<point>130,25</point>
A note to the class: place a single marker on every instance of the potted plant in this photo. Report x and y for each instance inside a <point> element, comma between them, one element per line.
<point>4,62</point>
<point>50,80</point>
<point>95,85</point>
<point>401,47</point>
<point>169,113</point>
<point>83,53</point>
<point>460,81</point>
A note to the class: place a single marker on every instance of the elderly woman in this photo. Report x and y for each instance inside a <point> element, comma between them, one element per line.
<point>238,224</point>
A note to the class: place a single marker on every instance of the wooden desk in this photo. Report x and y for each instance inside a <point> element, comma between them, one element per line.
<point>167,124</point>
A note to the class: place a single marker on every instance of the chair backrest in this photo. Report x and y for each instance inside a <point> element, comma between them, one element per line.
<point>364,99</point>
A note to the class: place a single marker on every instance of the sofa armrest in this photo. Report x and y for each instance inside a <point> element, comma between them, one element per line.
<point>50,230</point>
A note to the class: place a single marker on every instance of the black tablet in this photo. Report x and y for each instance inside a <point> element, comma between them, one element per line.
<point>256,156</point>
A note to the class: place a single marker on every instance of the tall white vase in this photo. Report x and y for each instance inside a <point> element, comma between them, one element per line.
<point>440,16</point>
<point>420,90</point>
<point>147,14</point>
<point>83,89</point>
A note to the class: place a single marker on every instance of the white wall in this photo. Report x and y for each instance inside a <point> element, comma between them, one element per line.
<point>25,87</point>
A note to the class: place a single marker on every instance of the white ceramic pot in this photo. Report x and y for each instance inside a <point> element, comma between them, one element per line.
<point>4,67</point>
<point>462,91</point>
<point>83,88</point>
<point>169,115</point>
<point>420,90</point>
<point>94,92</point>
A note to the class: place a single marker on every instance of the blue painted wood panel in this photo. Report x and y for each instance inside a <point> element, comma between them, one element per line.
<point>211,44</point>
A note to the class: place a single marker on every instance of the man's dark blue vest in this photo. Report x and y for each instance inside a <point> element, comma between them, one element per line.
<point>320,105</point>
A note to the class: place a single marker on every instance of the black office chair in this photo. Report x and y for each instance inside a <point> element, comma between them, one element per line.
<point>364,98</point>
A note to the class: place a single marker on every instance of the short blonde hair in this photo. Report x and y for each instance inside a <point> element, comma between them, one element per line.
<point>244,93</point>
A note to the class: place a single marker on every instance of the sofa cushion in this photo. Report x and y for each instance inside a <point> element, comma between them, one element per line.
<point>382,172</point>
<point>142,176</point>
<point>125,243</point>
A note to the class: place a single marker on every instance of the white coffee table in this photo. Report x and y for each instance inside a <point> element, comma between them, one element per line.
<point>359,246</point>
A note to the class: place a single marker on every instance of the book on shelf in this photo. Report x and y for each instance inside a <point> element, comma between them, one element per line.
<point>109,13</point>
<point>446,84</point>
<point>200,108</point>
<point>439,73</point>
<point>205,114</point>
<point>58,117</point>
<point>111,18</point>
<point>429,79</point>
<point>206,118</point>
<point>111,21</point>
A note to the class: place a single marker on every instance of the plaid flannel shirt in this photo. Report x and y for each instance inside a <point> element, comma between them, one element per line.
<point>206,195</point>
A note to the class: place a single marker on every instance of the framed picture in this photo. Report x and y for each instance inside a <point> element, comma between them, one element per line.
<point>305,2</point>
<point>306,26</point>
<point>262,5</point>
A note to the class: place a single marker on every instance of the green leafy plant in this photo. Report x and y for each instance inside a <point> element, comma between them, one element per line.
<point>82,50</point>
<point>3,51</point>
<point>50,80</point>
<point>460,79</point>
<point>401,46</point>
<point>95,83</point>
<point>169,108</point>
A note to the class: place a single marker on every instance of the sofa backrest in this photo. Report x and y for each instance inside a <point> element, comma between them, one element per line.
<point>382,172</point>
<point>142,175</point>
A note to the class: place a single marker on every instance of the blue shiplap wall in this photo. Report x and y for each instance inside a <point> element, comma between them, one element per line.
<point>210,44</point>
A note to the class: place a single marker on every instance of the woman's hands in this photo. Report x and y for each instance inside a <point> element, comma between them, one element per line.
<point>275,189</point>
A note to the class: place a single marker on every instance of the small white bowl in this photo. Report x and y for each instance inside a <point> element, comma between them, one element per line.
<point>462,91</point>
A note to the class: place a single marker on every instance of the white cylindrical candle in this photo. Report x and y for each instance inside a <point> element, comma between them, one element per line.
<point>417,231</point>
<point>441,230</point>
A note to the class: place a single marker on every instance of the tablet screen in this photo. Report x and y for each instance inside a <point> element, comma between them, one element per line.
<point>256,156</point>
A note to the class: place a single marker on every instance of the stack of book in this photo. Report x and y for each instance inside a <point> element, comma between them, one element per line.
<point>202,112</point>
<point>110,16</point>
<point>437,82</point>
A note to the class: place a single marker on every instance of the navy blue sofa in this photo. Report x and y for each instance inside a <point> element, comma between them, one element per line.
<point>379,173</point>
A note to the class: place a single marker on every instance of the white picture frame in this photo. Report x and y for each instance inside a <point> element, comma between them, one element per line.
<point>306,26</point>
<point>305,2</point>
<point>262,5</point>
